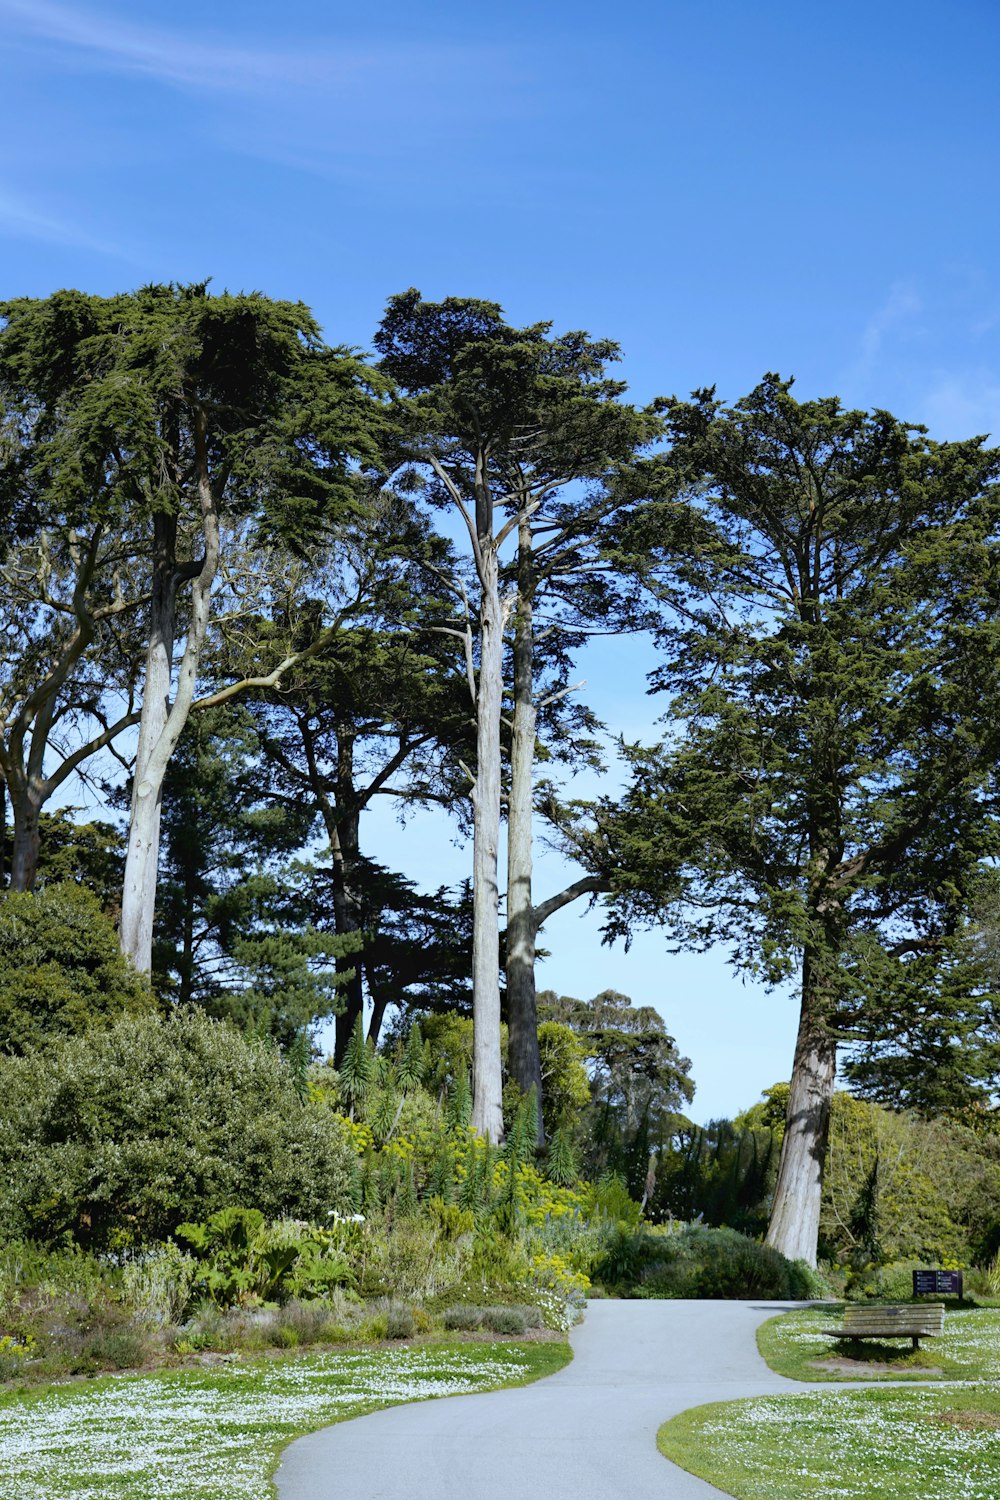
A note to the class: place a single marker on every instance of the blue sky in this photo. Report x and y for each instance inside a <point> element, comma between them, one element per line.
<point>725,188</point>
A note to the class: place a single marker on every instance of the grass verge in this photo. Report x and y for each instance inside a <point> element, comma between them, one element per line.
<point>795,1345</point>
<point>856,1445</point>
<point>194,1435</point>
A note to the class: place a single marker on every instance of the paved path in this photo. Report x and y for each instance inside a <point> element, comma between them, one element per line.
<point>587,1433</point>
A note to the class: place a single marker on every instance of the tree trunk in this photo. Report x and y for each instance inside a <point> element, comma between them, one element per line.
<point>4,848</point>
<point>523,1058</point>
<point>487,1076</point>
<point>27,843</point>
<point>346,851</point>
<point>794,1224</point>
<point>380,1004</point>
<point>162,728</point>
<point>142,856</point>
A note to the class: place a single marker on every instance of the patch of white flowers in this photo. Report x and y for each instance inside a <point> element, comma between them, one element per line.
<point>853,1446</point>
<point>211,1436</point>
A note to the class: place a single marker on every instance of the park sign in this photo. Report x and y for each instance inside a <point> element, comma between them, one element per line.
<point>937,1283</point>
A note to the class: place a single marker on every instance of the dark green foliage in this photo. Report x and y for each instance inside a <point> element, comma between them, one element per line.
<point>723,1174</point>
<point>88,854</point>
<point>638,1083</point>
<point>358,1068</point>
<point>828,583</point>
<point>61,970</point>
<point>561,1163</point>
<point>230,934</point>
<point>459,1106</point>
<point>699,1262</point>
<point>865,1221</point>
<point>117,1136</point>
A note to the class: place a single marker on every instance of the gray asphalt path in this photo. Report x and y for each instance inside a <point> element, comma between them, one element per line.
<point>587,1433</point>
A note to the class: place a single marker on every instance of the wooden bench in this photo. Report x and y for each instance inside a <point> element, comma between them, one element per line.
<point>913,1320</point>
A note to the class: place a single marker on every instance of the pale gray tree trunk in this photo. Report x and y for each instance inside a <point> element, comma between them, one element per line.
<point>162,722</point>
<point>523,1059</point>
<point>795,1213</point>
<point>487,1071</point>
<point>142,856</point>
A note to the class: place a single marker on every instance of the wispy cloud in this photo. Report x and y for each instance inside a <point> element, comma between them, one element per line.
<point>116,42</point>
<point>902,305</point>
<point>20,219</point>
<point>319,104</point>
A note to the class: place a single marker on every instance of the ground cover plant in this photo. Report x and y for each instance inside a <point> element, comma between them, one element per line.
<point>856,1445</point>
<point>795,1345</point>
<point>217,1435</point>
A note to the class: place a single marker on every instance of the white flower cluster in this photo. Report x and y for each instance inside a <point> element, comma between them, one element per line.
<point>212,1436</point>
<point>854,1445</point>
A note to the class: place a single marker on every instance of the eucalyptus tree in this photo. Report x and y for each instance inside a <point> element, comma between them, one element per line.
<point>496,423</point>
<point>189,408</point>
<point>825,793</point>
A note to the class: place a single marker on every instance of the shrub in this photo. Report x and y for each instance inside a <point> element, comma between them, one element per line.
<point>117,1348</point>
<point>701,1262</point>
<point>504,1319</point>
<point>400,1322</point>
<point>116,1136</point>
<point>463,1316</point>
<point>61,970</point>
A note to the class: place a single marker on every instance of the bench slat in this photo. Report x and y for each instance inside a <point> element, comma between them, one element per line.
<point>914,1321</point>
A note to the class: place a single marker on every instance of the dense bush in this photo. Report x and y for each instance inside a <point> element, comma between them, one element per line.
<point>115,1137</point>
<point>61,970</point>
<point>698,1261</point>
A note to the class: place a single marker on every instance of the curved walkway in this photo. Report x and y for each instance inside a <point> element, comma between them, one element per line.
<point>586,1433</point>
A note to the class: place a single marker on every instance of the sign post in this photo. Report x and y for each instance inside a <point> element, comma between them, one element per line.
<point>937,1283</point>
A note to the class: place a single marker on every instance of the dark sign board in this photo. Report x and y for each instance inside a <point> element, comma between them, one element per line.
<point>947,1283</point>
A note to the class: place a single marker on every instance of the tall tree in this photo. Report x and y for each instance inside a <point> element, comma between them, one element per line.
<point>70,585</point>
<point>189,407</point>
<point>825,792</point>
<point>381,712</point>
<point>498,421</point>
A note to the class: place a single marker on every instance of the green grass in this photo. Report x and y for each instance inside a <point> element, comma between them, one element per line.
<point>969,1348</point>
<point>854,1445</point>
<point>218,1435</point>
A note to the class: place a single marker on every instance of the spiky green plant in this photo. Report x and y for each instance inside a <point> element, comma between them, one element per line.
<point>358,1071</point>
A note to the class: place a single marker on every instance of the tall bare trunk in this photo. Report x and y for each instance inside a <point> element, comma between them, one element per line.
<point>142,856</point>
<point>487,1076</point>
<point>794,1225</point>
<point>523,1058</point>
<point>165,721</point>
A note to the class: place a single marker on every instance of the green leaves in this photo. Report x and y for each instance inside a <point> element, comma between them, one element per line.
<point>828,582</point>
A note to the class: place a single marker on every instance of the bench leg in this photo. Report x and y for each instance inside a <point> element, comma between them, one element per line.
<point>916,1341</point>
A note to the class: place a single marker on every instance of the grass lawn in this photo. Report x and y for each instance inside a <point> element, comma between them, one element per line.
<point>218,1435</point>
<point>969,1348</point>
<point>851,1445</point>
